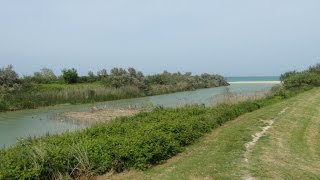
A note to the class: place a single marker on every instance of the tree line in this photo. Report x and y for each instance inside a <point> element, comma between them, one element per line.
<point>306,78</point>
<point>117,77</point>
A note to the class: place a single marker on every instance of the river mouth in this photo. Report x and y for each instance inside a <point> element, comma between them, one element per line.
<point>48,120</point>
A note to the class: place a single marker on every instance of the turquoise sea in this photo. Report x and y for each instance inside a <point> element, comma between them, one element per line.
<point>253,78</point>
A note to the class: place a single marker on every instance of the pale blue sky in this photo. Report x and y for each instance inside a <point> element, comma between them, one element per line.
<point>229,37</point>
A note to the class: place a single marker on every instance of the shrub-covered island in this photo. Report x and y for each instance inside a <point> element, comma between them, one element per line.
<point>44,88</point>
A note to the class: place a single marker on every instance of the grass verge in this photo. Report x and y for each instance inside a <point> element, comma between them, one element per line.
<point>288,150</point>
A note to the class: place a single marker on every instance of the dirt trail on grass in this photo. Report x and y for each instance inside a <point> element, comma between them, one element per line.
<point>280,141</point>
<point>291,150</point>
<point>250,145</point>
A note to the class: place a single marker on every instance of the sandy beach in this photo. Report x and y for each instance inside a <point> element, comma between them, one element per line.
<point>255,82</point>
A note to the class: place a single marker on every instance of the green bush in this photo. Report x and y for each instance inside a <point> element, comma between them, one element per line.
<point>3,106</point>
<point>302,79</point>
<point>70,76</point>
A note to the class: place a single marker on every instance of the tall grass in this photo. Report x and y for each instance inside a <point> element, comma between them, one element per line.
<point>39,95</point>
<point>229,97</point>
<point>73,95</point>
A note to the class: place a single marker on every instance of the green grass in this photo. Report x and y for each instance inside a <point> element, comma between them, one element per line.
<point>289,149</point>
<point>295,138</point>
<point>60,86</point>
<point>52,94</point>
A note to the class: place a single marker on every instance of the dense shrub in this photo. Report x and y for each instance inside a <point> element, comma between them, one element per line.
<point>184,81</point>
<point>70,76</point>
<point>44,88</point>
<point>295,79</point>
<point>9,80</point>
<point>302,79</point>
<point>45,76</point>
<point>3,105</point>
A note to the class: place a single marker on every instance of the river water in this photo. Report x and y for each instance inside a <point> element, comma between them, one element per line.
<point>36,122</point>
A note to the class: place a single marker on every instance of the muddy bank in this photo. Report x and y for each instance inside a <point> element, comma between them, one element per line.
<point>97,115</point>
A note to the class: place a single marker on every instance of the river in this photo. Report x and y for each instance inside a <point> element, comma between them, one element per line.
<point>36,122</point>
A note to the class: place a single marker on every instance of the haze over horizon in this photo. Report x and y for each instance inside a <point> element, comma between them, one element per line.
<point>231,38</point>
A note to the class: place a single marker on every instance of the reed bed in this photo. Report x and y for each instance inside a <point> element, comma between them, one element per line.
<point>72,95</point>
<point>229,97</point>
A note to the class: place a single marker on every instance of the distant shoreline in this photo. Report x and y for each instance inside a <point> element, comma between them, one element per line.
<point>255,82</point>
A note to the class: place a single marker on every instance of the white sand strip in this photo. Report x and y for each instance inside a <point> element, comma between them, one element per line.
<point>255,82</point>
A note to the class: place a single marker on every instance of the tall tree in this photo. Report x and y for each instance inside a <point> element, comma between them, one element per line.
<point>9,79</point>
<point>70,75</point>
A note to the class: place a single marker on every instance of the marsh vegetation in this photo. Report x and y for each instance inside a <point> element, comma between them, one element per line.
<point>44,88</point>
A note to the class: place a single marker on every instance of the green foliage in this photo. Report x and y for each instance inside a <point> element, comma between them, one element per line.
<point>3,105</point>
<point>52,94</point>
<point>45,88</point>
<point>174,82</point>
<point>9,80</point>
<point>70,76</point>
<point>45,76</point>
<point>183,81</point>
<point>120,77</point>
<point>315,68</point>
<point>129,142</point>
<point>288,74</point>
<point>303,79</point>
<point>102,74</point>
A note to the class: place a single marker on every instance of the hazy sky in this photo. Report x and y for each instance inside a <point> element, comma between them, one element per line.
<point>229,37</point>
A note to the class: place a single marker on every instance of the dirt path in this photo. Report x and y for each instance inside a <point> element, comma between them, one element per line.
<point>250,145</point>
<point>291,149</point>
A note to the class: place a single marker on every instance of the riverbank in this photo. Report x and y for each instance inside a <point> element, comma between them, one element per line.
<point>137,142</point>
<point>245,148</point>
<point>40,121</point>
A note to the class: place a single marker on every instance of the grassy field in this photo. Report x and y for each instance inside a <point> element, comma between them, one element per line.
<point>281,141</point>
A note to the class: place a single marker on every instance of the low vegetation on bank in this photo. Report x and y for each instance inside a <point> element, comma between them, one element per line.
<point>297,79</point>
<point>130,142</point>
<point>139,142</point>
<point>44,88</point>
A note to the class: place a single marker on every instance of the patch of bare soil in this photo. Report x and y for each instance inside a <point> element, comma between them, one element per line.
<point>97,115</point>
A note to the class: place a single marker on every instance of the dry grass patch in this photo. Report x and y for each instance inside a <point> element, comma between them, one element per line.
<point>98,115</point>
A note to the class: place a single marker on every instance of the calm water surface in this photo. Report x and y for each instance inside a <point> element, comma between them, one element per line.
<point>35,122</point>
<point>253,78</point>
